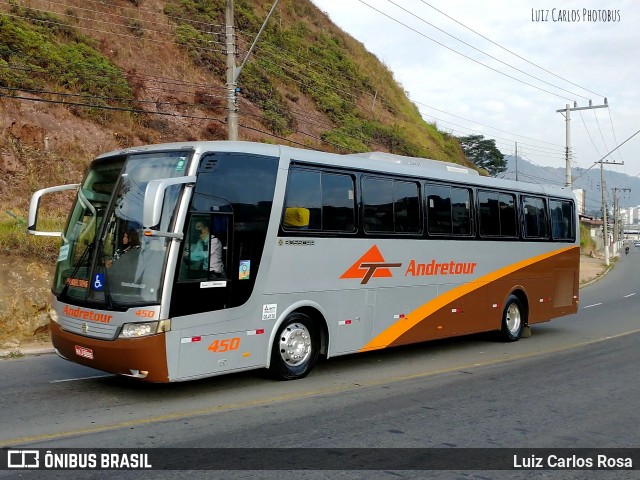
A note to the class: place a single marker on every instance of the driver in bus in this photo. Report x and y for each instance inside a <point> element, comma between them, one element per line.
<point>206,253</point>
<point>130,242</point>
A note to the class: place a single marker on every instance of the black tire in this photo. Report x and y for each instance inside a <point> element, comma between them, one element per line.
<point>514,318</point>
<point>295,348</point>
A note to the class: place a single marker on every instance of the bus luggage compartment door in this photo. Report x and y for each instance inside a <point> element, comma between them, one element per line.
<point>355,320</point>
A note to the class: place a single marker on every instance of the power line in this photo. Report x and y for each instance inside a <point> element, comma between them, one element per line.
<point>124,17</point>
<point>148,78</point>
<point>193,117</point>
<point>485,53</point>
<point>488,126</point>
<point>510,51</point>
<point>143,10</point>
<point>543,149</point>
<point>463,55</point>
<point>600,130</point>
<point>62,24</point>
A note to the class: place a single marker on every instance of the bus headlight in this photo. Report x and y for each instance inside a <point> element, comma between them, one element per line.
<point>137,330</point>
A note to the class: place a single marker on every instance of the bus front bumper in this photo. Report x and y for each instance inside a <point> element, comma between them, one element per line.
<point>143,358</point>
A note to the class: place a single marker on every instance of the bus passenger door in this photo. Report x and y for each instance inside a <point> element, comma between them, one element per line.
<point>203,282</point>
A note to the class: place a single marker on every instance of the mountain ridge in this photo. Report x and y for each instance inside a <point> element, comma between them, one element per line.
<point>586,179</point>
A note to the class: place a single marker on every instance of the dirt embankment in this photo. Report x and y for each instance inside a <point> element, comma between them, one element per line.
<point>25,289</point>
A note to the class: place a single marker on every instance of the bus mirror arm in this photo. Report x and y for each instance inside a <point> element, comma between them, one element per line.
<point>34,205</point>
<point>155,233</point>
<point>153,199</point>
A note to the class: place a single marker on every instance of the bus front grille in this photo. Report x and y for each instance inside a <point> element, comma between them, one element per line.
<point>89,329</point>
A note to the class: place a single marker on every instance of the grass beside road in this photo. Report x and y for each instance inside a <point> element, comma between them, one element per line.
<point>15,241</point>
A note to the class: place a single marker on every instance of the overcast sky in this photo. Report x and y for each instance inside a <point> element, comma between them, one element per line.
<point>583,57</point>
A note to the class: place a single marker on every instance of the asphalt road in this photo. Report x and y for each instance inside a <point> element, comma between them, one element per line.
<point>574,383</point>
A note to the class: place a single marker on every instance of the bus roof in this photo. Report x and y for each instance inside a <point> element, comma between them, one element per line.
<point>370,161</point>
<point>416,162</point>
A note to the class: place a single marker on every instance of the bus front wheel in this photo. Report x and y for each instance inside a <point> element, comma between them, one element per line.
<point>513,319</point>
<point>295,348</point>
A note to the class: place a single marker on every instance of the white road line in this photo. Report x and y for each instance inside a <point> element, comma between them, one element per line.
<point>594,305</point>
<point>630,295</point>
<point>82,378</point>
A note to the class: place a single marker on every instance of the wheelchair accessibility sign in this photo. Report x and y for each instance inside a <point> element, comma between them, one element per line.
<point>98,282</point>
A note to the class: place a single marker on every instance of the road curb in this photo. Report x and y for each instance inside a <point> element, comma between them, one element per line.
<point>599,277</point>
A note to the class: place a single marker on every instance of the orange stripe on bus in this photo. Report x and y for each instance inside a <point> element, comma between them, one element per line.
<point>392,333</point>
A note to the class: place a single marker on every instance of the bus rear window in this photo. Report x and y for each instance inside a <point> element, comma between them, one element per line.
<point>562,223</point>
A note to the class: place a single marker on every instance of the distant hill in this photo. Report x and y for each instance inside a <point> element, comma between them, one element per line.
<point>589,180</point>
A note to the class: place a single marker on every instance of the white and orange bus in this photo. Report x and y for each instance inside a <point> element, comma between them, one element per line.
<point>316,254</point>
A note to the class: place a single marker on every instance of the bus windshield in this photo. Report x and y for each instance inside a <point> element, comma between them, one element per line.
<point>104,258</point>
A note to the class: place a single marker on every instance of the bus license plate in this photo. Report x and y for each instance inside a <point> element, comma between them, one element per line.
<point>84,352</point>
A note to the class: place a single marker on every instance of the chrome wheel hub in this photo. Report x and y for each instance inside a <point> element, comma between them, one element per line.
<point>295,344</point>
<point>514,319</point>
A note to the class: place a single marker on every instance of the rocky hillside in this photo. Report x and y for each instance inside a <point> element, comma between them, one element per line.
<point>79,77</point>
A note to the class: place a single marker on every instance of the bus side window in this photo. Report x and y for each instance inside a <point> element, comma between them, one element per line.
<point>303,208</point>
<point>195,251</point>
<point>497,214</point>
<point>535,219</point>
<point>319,201</point>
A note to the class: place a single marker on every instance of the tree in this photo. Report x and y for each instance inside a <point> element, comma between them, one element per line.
<point>483,153</point>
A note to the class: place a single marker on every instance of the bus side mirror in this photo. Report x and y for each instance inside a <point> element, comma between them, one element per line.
<point>34,206</point>
<point>153,200</point>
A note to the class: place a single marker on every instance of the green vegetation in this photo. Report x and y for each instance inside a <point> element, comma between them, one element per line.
<point>301,53</point>
<point>15,241</point>
<point>483,153</point>
<point>586,242</point>
<point>45,54</point>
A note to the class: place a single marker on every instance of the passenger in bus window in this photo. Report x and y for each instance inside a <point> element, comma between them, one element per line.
<point>206,243</point>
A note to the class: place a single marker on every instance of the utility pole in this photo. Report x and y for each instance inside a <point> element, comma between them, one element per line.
<point>232,98</point>
<point>567,115</point>
<point>233,72</point>
<point>516,161</point>
<point>604,209</point>
<point>616,207</point>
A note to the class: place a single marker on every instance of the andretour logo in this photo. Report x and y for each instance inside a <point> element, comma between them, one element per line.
<point>373,265</point>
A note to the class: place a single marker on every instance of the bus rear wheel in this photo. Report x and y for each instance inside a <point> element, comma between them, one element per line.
<point>295,348</point>
<point>513,319</point>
